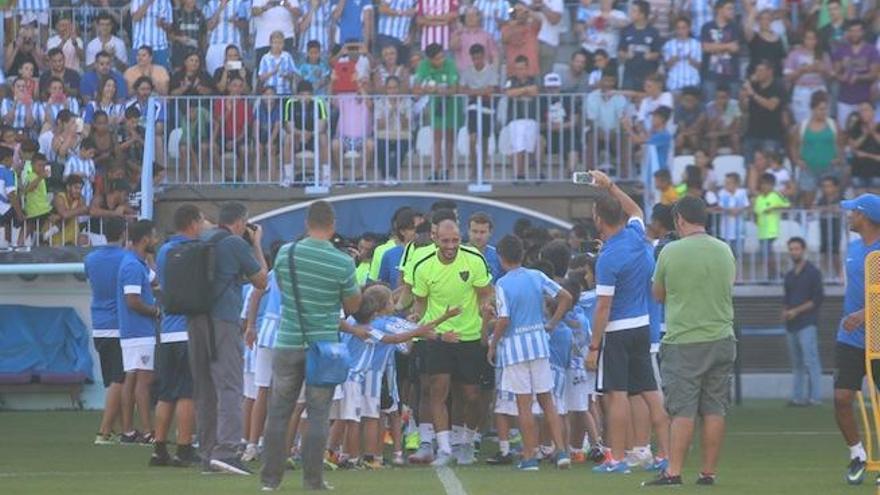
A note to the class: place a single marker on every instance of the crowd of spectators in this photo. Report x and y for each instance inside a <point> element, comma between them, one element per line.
<point>265,80</point>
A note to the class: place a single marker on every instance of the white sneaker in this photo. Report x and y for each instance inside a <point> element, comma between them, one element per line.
<point>443,459</point>
<point>250,453</point>
<point>49,233</point>
<point>425,454</point>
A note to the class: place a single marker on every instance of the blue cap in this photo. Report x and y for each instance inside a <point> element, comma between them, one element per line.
<point>866,204</point>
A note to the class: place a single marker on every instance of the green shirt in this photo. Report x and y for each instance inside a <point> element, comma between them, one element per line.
<point>697,312</point>
<point>36,202</point>
<point>451,285</point>
<point>412,257</point>
<point>445,110</point>
<point>326,276</point>
<point>376,263</point>
<point>768,221</point>
<point>362,272</point>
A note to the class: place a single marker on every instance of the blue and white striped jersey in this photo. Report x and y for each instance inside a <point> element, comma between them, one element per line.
<point>318,28</point>
<point>226,32</point>
<point>360,352</point>
<point>112,110</point>
<point>268,321</point>
<point>249,354</point>
<point>682,74</point>
<point>147,31</point>
<point>52,109</point>
<point>142,106</point>
<point>519,296</point>
<point>32,6</point>
<point>581,333</point>
<point>397,27</point>
<point>19,112</point>
<point>383,362</point>
<point>283,67</point>
<point>493,11</point>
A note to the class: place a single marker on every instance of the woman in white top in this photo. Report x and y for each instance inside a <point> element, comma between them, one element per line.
<point>807,69</point>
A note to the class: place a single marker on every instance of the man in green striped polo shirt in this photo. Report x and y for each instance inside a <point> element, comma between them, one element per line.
<point>326,283</point>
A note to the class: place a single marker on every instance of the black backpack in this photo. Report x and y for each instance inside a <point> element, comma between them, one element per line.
<point>189,276</point>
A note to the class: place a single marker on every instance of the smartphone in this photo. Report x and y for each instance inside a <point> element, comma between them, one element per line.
<point>583,178</point>
<point>47,170</point>
<point>233,65</point>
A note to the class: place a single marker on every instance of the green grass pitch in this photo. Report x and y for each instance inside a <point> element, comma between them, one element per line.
<point>770,449</point>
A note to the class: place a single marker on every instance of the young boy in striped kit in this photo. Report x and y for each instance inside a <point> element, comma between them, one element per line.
<point>522,346</point>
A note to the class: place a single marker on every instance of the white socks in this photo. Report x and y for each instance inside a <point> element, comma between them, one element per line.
<point>443,442</point>
<point>858,451</point>
<point>426,433</point>
<point>504,447</point>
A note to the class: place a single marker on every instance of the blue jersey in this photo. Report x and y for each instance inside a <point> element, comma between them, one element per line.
<point>134,279</point>
<point>623,270</point>
<point>173,326</point>
<point>102,270</point>
<point>519,297</point>
<point>382,362</point>
<point>270,314</point>
<point>249,354</point>
<point>581,334</point>
<point>587,303</point>
<point>561,339</point>
<point>494,262</point>
<point>388,268</point>
<point>360,352</point>
<point>351,20</point>
<point>854,296</point>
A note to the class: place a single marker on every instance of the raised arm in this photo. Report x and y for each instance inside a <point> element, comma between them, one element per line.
<point>629,205</point>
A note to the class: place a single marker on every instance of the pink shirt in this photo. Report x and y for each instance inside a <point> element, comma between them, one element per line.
<point>436,34</point>
<point>473,37</point>
<point>800,57</point>
<point>354,116</point>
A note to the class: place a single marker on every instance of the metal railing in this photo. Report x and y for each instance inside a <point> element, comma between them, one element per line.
<point>54,231</point>
<point>765,261</point>
<point>353,139</point>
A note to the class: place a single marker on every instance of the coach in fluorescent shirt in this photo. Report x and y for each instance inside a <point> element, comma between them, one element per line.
<point>620,350</point>
<point>694,279</point>
<point>863,219</point>
<point>326,284</point>
<point>102,271</point>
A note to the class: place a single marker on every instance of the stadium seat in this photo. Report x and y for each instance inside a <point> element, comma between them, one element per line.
<point>425,142</point>
<point>751,244</point>
<point>725,164</point>
<point>679,164</point>
<point>813,235</point>
<point>174,143</point>
<point>787,230</point>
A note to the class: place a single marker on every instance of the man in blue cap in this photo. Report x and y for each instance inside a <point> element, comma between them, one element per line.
<point>864,219</point>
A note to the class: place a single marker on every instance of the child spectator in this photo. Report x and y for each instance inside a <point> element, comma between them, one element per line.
<point>389,67</point>
<point>601,62</point>
<point>663,184</point>
<point>690,120</point>
<point>81,163</point>
<point>133,135</point>
<point>232,114</point>
<point>10,206</point>
<point>654,98</point>
<point>722,121</point>
<point>277,68</point>
<point>315,69</point>
<point>267,121</point>
<point>782,176</point>
<point>659,136</point>
<point>36,197</point>
<point>682,55</point>
<point>105,141</point>
<point>307,132</point>
<point>733,202</point>
<point>393,116</point>
<point>69,209</point>
<point>768,204</point>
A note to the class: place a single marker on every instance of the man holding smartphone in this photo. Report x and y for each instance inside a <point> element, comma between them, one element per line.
<point>274,15</point>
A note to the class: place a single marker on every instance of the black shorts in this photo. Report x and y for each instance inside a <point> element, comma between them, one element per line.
<point>110,354</point>
<point>462,360</point>
<point>474,117</point>
<point>850,372</point>
<point>417,360</point>
<point>625,362</point>
<point>173,376</point>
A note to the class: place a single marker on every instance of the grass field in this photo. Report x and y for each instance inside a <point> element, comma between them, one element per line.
<point>770,450</point>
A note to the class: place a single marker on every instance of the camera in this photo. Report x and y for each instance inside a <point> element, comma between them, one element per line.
<point>248,235</point>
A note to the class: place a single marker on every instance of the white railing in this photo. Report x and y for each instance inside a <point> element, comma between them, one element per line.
<point>384,139</point>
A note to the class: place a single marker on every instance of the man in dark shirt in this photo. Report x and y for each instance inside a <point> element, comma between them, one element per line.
<point>188,35</point>
<point>720,39</point>
<point>58,70</point>
<point>800,311</point>
<point>640,46</point>
<point>763,97</point>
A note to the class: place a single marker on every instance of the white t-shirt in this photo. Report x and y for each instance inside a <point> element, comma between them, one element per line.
<point>275,19</point>
<point>783,177</point>
<point>96,46</point>
<point>70,58</point>
<point>549,33</point>
<point>648,105</point>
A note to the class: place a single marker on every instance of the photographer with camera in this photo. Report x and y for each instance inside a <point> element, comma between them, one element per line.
<point>215,340</point>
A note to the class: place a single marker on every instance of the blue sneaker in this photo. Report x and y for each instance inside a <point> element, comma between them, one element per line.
<point>658,464</point>
<point>563,460</point>
<point>528,465</point>
<point>611,467</point>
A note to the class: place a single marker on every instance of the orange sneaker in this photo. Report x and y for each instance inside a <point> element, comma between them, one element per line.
<point>578,457</point>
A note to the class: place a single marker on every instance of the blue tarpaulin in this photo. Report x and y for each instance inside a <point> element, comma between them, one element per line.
<point>43,341</point>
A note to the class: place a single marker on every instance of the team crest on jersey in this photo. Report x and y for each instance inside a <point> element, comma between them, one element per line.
<point>464,276</point>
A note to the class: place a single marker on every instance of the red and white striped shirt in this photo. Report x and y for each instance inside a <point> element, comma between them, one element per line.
<point>437,34</point>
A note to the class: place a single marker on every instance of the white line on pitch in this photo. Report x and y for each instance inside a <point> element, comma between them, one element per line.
<point>450,481</point>
<point>781,433</point>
